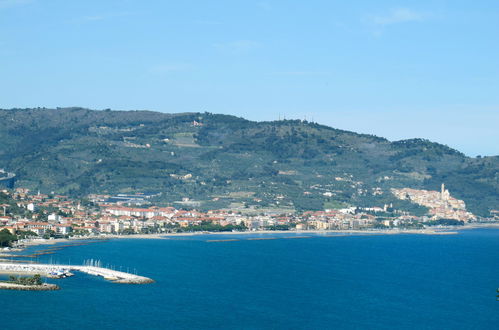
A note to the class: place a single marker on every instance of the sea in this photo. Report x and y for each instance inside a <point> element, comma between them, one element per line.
<point>284,281</point>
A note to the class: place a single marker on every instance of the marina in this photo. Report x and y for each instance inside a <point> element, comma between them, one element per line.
<point>61,271</point>
<point>316,283</point>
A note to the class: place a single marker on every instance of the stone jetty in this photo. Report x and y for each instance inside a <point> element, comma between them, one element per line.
<point>21,287</point>
<point>113,275</point>
<point>49,269</point>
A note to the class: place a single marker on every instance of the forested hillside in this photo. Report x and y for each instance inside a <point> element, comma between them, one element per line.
<point>222,161</point>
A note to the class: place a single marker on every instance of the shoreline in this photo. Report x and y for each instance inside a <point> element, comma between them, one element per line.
<point>480,225</point>
<point>426,231</point>
<point>448,230</point>
<point>443,231</point>
<point>20,287</point>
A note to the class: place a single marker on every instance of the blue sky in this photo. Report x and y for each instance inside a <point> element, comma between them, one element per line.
<point>398,69</point>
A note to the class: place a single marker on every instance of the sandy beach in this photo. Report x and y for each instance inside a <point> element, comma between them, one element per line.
<point>292,233</point>
<point>438,231</point>
<point>446,231</point>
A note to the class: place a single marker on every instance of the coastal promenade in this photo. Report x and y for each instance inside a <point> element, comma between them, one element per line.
<point>48,269</point>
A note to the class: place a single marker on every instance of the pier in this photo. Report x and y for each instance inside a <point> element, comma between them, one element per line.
<point>48,270</point>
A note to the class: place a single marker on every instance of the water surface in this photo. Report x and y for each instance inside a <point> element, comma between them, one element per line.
<point>342,282</point>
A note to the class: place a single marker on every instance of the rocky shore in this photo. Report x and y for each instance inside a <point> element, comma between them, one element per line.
<point>20,287</point>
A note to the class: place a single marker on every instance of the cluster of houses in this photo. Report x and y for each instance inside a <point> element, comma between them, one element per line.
<point>59,215</point>
<point>441,204</point>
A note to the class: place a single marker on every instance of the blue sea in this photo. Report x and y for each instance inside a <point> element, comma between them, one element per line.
<point>318,282</point>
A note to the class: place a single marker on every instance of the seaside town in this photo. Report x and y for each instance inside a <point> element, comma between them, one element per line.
<point>46,216</point>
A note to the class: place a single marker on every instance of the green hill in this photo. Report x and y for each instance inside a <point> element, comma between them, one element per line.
<point>222,161</point>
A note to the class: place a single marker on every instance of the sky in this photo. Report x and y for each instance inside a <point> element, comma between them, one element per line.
<point>396,69</point>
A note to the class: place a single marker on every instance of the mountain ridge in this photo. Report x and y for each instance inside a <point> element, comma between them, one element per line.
<point>210,157</point>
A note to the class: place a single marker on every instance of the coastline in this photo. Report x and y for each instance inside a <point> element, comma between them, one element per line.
<point>448,230</point>
<point>480,225</point>
<point>426,231</point>
<point>291,232</point>
<point>209,237</point>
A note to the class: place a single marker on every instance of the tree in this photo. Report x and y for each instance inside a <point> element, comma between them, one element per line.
<point>49,233</point>
<point>6,238</point>
<point>25,234</point>
<point>37,279</point>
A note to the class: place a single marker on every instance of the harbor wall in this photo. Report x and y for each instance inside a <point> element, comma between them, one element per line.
<point>46,269</point>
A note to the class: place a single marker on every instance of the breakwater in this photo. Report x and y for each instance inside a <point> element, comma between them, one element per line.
<point>49,269</point>
<point>113,275</point>
<point>20,287</point>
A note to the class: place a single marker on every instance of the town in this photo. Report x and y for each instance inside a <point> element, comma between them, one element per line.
<point>30,215</point>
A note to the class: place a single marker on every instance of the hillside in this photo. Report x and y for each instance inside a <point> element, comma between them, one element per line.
<point>221,161</point>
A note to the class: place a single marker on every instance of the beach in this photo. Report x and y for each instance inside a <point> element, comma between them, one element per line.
<point>293,234</point>
<point>427,231</point>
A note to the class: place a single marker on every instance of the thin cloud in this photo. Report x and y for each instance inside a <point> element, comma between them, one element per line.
<point>238,46</point>
<point>396,16</point>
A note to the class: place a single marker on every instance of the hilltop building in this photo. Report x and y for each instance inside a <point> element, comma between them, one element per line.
<point>444,193</point>
<point>441,204</point>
